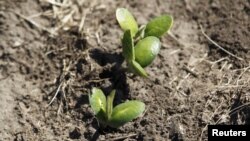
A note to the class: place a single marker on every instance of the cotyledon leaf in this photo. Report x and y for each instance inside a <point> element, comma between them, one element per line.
<point>128,46</point>
<point>146,50</point>
<point>137,69</point>
<point>158,26</point>
<point>97,101</point>
<point>126,20</point>
<point>126,112</point>
<point>109,107</point>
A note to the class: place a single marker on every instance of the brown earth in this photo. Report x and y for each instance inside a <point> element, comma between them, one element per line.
<point>192,82</point>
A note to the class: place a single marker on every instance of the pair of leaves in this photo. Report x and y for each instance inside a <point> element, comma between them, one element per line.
<point>148,47</point>
<point>142,54</point>
<point>129,54</point>
<point>117,116</point>
<point>156,27</point>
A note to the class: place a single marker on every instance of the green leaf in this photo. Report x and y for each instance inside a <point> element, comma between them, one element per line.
<point>110,100</point>
<point>146,50</point>
<point>126,20</point>
<point>158,26</point>
<point>137,69</point>
<point>97,101</point>
<point>128,46</point>
<point>126,112</point>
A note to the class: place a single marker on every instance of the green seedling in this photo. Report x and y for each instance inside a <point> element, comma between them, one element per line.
<point>141,45</point>
<point>117,116</point>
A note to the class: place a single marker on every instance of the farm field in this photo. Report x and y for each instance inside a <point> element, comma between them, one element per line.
<point>66,47</point>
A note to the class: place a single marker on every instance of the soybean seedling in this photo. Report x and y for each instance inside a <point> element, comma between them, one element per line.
<point>141,45</point>
<point>117,116</point>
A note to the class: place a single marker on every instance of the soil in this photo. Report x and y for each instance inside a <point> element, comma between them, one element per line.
<point>193,83</point>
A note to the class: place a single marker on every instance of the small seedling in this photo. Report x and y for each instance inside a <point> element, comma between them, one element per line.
<point>141,45</point>
<point>117,116</point>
